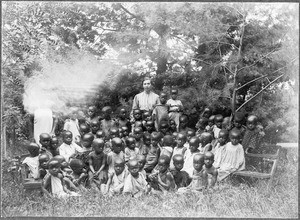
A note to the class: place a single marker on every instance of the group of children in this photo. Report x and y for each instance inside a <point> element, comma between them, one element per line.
<point>154,152</point>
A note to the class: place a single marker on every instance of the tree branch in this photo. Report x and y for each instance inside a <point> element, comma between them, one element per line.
<point>251,82</point>
<point>128,12</point>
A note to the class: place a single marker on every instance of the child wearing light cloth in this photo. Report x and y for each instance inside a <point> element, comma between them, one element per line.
<point>189,155</point>
<point>68,148</point>
<point>71,124</point>
<point>218,150</point>
<point>175,107</point>
<point>31,163</point>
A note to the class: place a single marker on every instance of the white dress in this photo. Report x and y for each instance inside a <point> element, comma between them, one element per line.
<point>43,122</point>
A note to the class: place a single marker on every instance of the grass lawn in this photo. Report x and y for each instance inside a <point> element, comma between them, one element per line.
<point>225,200</point>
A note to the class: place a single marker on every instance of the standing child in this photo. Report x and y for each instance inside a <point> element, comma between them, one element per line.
<point>175,107</point>
<point>97,162</point>
<point>189,155</point>
<point>92,114</point>
<point>116,179</point>
<point>210,172</point>
<point>233,157</point>
<point>135,183</point>
<point>123,119</point>
<point>31,163</point>
<point>107,123</point>
<point>117,146</point>
<point>181,177</point>
<point>217,126</point>
<point>160,112</point>
<point>131,151</point>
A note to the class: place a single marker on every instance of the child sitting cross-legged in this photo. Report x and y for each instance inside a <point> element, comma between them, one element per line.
<point>135,183</point>
<point>31,163</point>
<point>181,177</point>
<point>198,178</point>
<point>97,162</point>
<point>131,151</point>
<point>162,179</point>
<point>115,183</point>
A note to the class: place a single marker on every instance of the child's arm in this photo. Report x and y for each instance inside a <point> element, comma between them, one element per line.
<point>60,176</point>
<point>103,165</point>
<point>212,181</point>
<point>109,181</point>
<point>165,186</point>
<point>90,159</point>
<point>46,184</point>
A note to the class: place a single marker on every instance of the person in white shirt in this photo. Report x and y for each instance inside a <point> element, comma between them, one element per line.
<point>68,148</point>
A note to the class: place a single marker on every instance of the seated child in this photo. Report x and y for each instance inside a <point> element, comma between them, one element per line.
<point>131,151</point>
<point>201,125</point>
<point>217,126</point>
<point>138,134</point>
<point>160,112</point>
<point>137,116</point>
<point>107,123</point>
<point>181,177</point>
<point>211,123</point>
<point>181,146</point>
<point>209,171</point>
<point>173,126</point>
<point>238,123</point>
<point>79,176</point>
<point>167,146</point>
<point>175,107</point>
<point>117,146</point>
<point>54,146</point>
<point>233,157</point>
<point>183,121</point>
<point>97,161</point>
<point>198,178</point>
<point>43,165</point>
<point>147,144</point>
<point>68,148</point>
<point>218,150</point>
<point>31,163</point>
<point>189,155</point>
<point>142,161</point>
<point>135,183</point>
<point>189,134</point>
<point>252,138</point>
<point>226,124</point>
<point>95,126</point>
<point>45,143</point>
<point>164,128</point>
<point>153,154</point>
<point>54,181</point>
<point>146,116</point>
<point>205,142</point>
<point>71,124</point>
<point>123,120</point>
<point>150,127</point>
<point>163,179</point>
<point>116,179</point>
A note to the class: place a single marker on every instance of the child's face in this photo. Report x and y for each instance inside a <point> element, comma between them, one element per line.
<point>98,148</point>
<point>174,94</point>
<point>94,127</point>
<point>178,165</point>
<point>122,114</point>
<point>114,133</point>
<point>198,164</point>
<point>137,115</point>
<point>119,168</point>
<point>125,131</point>
<point>194,147</point>
<point>222,138</point>
<point>134,169</point>
<point>146,116</point>
<point>131,145</point>
<point>67,138</point>
<point>162,166</point>
<point>147,141</point>
<point>163,98</point>
<point>106,113</point>
<point>43,162</point>
<point>54,170</point>
<point>54,143</point>
<point>183,122</point>
<point>100,134</point>
<point>117,148</point>
<point>164,128</point>
<point>219,123</point>
<point>235,139</point>
<point>201,123</point>
<point>181,139</point>
<point>91,111</point>
<point>251,125</point>
<point>238,123</point>
<point>86,142</point>
<point>154,141</point>
<point>138,134</point>
<point>190,134</point>
<point>142,162</point>
<point>45,141</point>
<point>208,161</point>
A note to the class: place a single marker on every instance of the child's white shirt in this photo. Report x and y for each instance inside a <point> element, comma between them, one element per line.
<point>66,150</point>
<point>33,164</point>
<point>73,126</point>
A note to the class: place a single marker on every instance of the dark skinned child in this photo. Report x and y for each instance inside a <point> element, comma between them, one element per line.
<point>218,150</point>
<point>150,127</point>
<point>167,145</point>
<point>43,165</point>
<point>226,124</point>
<point>123,120</point>
<point>147,144</point>
<point>238,122</point>
<point>117,146</point>
<point>92,114</point>
<point>54,146</point>
<point>181,177</point>
<point>68,148</point>
<point>173,126</point>
<point>211,123</point>
<point>135,183</point>
<point>79,176</point>
<point>146,117</point>
<point>181,146</point>
<point>164,128</point>
<point>175,107</point>
<point>217,126</point>
<point>31,163</point>
<point>183,122</point>
<point>95,126</point>
<point>131,151</point>
<point>154,153</point>
<point>209,171</point>
<point>107,123</point>
<point>142,161</point>
<point>201,125</point>
<point>160,112</point>
<point>45,143</point>
<point>205,142</point>
<point>138,134</point>
<point>189,134</point>
<point>189,155</point>
<point>116,179</point>
<point>137,116</point>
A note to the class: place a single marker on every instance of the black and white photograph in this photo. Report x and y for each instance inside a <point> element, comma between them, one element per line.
<point>149,109</point>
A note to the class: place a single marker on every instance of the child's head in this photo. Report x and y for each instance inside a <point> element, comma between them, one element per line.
<point>54,167</point>
<point>59,158</point>
<point>106,111</point>
<point>164,127</point>
<point>163,98</point>
<point>122,113</point>
<point>226,123</point>
<point>168,140</point>
<point>203,122</point>
<point>189,134</point>
<point>45,140</point>
<point>137,114</point>
<point>174,134</point>
<point>163,163</point>
<point>173,125</point>
<point>235,136</point>
<point>33,149</point>
<point>181,139</point>
<point>218,121</point>
<point>114,132</point>
<point>238,119</point>
<point>54,143</point>
<point>207,113</point>
<point>125,131</point>
<point>95,126</point>
<point>146,116</point>
<point>223,136</point>
<point>117,145</point>
<point>43,161</point>
<point>149,126</point>
<point>84,128</point>
<point>208,159</point>
<point>91,111</point>
<point>138,133</point>
<point>67,137</point>
<point>155,138</point>
<point>74,113</point>
<point>130,143</point>
<point>133,167</point>
<point>119,166</point>
<point>141,160</point>
<point>147,139</point>
<point>77,166</point>
<point>64,165</point>
<point>211,120</point>
<point>183,121</point>
<point>100,134</point>
<point>194,144</point>
<point>178,161</point>
<point>206,138</point>
<point>198,162</point>
<point>98,145</point>
<point>87,140</point>
<point>174,93</point>
<point>252,122</point>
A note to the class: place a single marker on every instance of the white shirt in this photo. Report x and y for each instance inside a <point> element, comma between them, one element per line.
<point>66,150</point>
<point>33,164</point>
<point>43,122</point>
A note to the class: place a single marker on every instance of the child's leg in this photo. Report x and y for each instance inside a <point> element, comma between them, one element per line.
<point>70,184</point>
